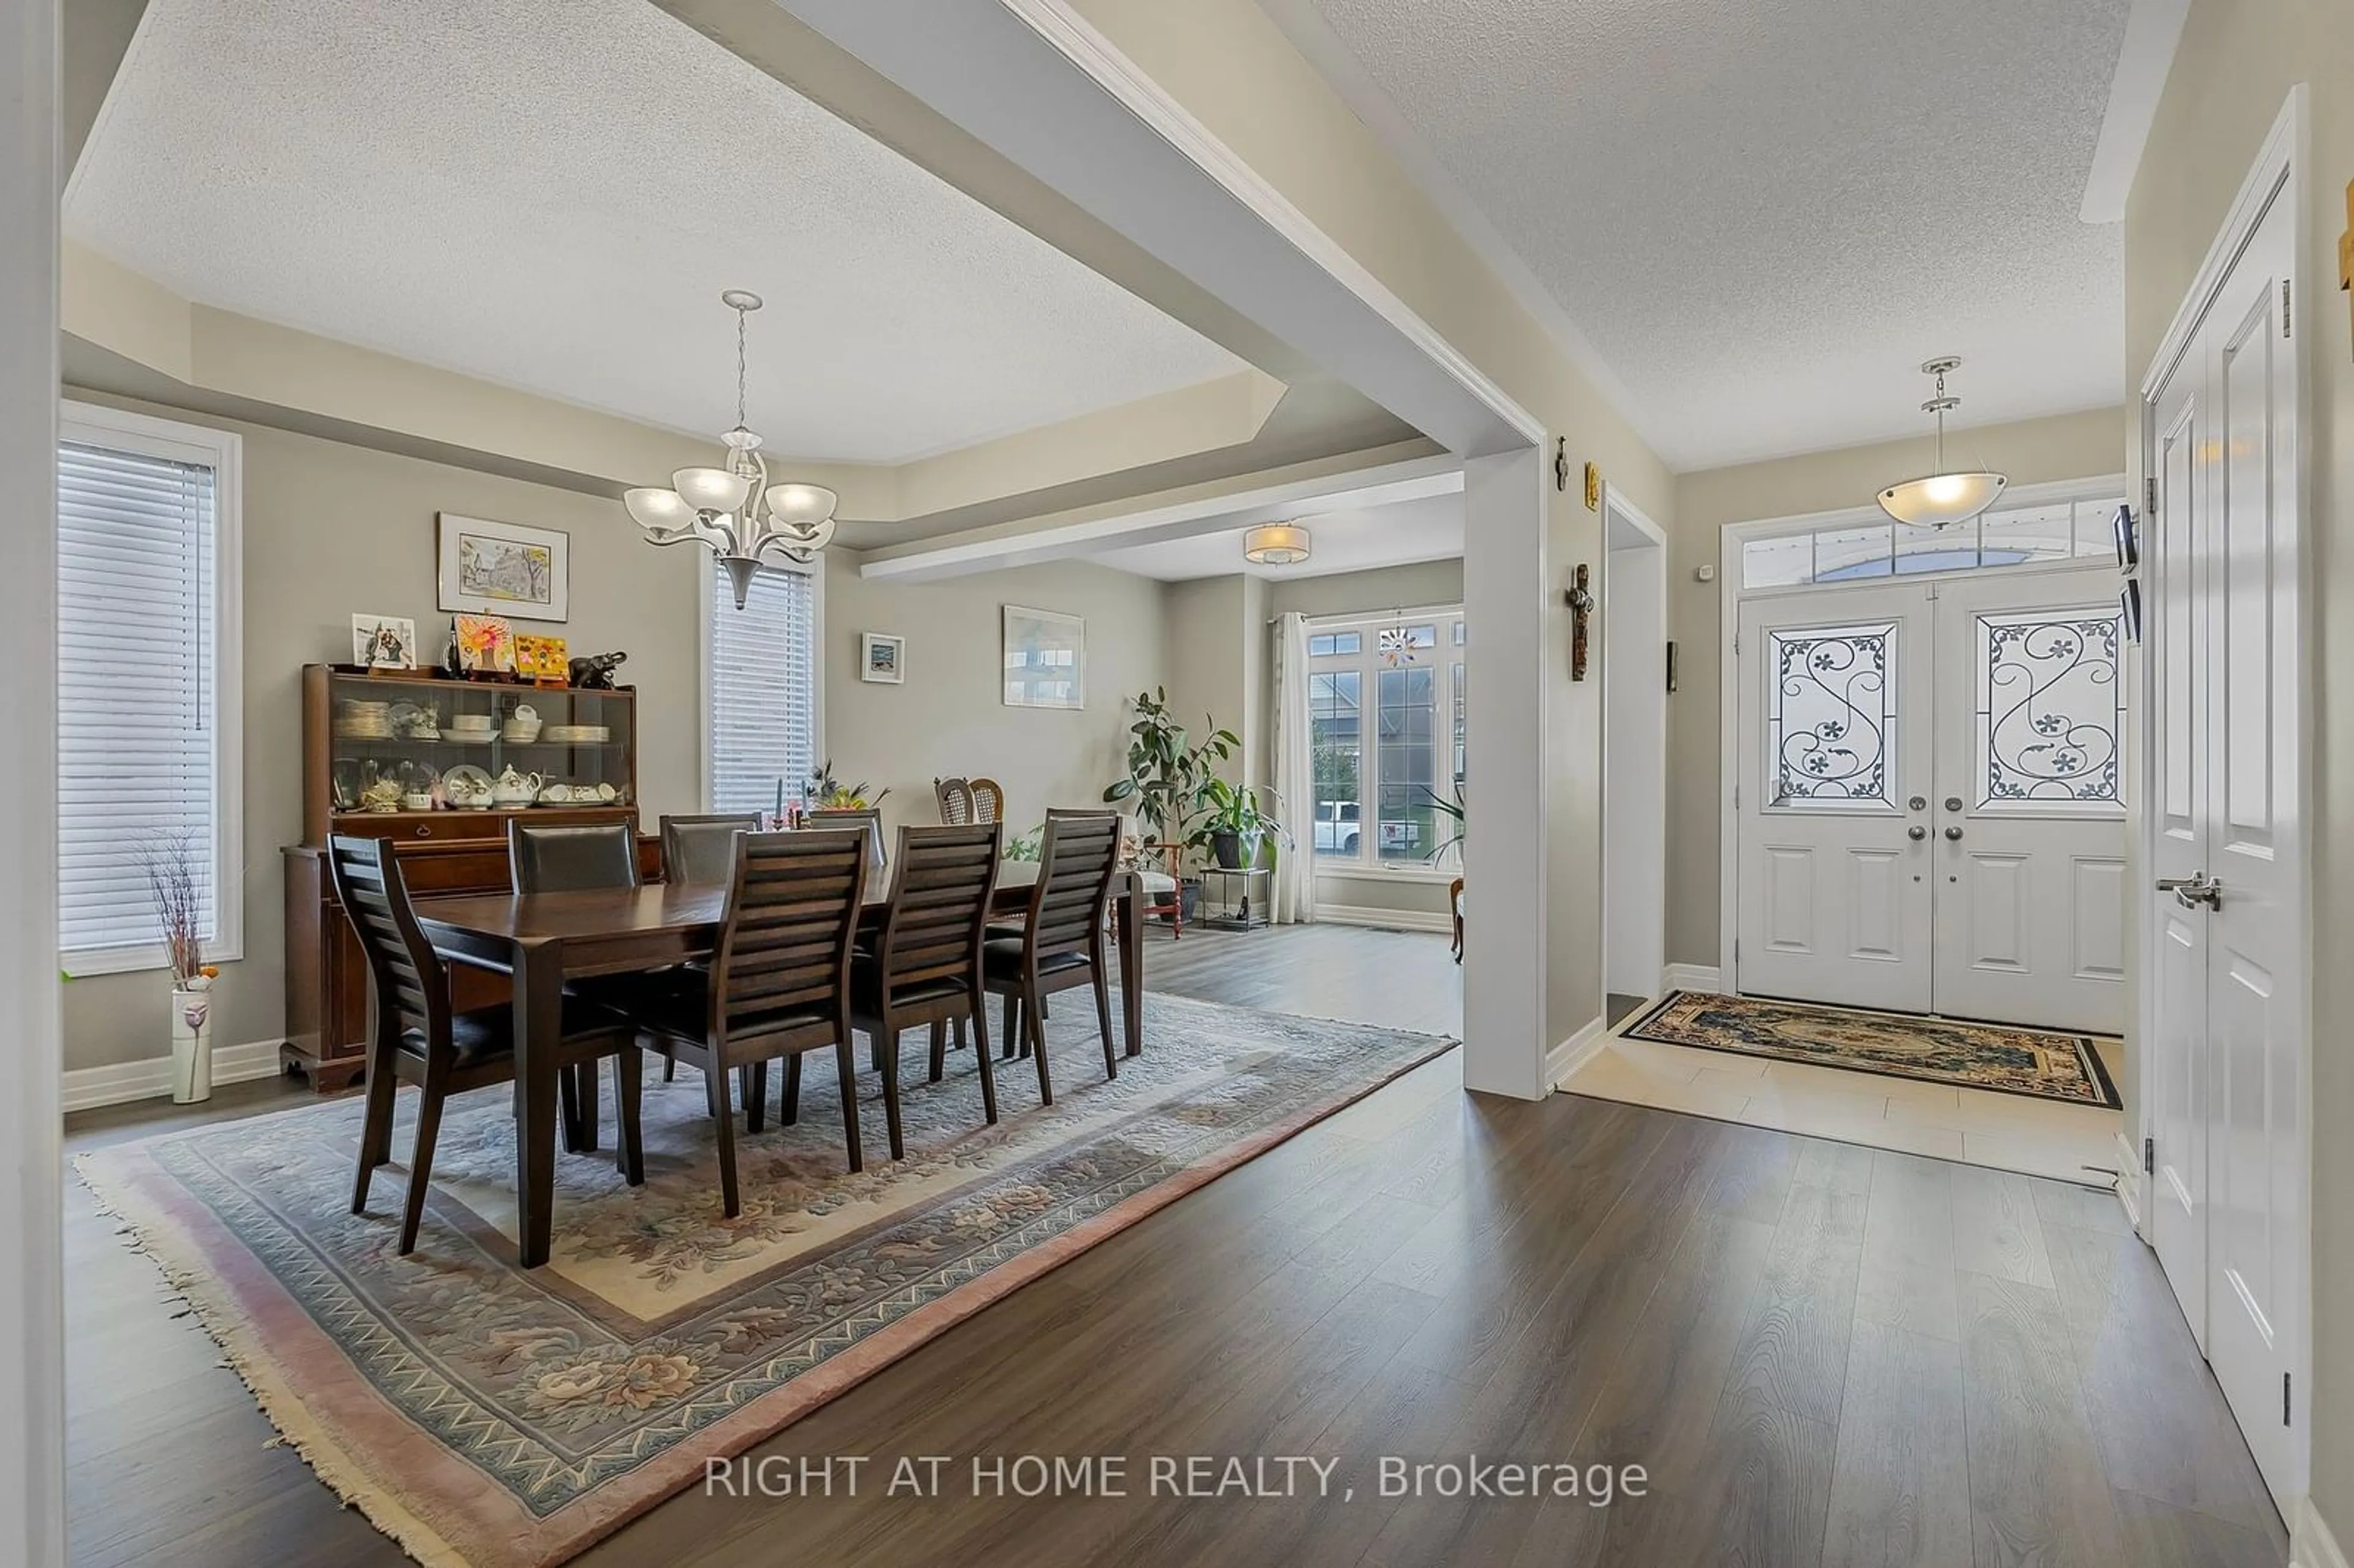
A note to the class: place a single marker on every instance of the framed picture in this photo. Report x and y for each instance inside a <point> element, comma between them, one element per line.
<point>383,642</point>
<point>541,658</point>
<point>2127,540</point>
<point>1045,659</point>
<point>881,657</point>
<point>486,645</point>
<point>504,568</point>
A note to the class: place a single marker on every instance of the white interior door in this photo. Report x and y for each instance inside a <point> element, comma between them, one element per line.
<point>2030,863</point>
<point>1833,797</point>
<point>2230,1026</point>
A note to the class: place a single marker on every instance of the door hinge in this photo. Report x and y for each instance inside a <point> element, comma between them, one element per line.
<point>2149,496</point>
<point>2284,298</point>
<point>2149,1157</point>
<point>2284,1420</point>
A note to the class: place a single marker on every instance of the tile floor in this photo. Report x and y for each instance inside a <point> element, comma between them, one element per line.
<point>1977,1126</point>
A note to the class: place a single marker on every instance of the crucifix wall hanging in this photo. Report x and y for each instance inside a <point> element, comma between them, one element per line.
<point>1581,609</point>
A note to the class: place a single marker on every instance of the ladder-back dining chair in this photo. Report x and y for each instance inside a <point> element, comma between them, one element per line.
<point>779,984</point>
<point>926,966</point>
<point>1062,945</point>
<point>415,1036</point>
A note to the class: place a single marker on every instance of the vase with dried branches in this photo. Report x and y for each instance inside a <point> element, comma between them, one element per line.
<point>175,881</point>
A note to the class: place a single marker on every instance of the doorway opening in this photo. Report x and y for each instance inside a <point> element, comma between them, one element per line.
<point>1634,756</point>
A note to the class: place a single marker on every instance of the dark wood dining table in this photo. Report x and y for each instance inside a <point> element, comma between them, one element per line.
<point>544,940</point>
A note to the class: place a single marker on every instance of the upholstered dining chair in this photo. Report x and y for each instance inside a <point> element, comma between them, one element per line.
<point>869,819</point>
<point>779,984</point>
<point>700,850</point>
<point>1062,945</point>
<point>546,857</point>
<point>415,1036</point>
<point>926,966</point>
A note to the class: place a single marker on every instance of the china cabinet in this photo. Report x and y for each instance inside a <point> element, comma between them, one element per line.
<point>439,766</point>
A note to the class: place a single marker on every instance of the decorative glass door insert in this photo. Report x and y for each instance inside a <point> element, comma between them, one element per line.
<point>1831,716</point>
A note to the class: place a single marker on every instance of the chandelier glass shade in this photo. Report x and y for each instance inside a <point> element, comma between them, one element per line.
<point>1277,545</point>
<point>1945,496</point>
<point>733,510</point>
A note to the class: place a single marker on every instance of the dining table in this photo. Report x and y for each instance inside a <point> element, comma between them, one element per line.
<point>544,941</point>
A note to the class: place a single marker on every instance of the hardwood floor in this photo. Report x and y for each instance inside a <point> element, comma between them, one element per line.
<point>1819,1353</point>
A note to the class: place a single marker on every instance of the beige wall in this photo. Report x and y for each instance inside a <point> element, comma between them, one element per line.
<point>330,529</point>
<point>2071,446</point>
<point>949,716</point>
<point>2237,62</point>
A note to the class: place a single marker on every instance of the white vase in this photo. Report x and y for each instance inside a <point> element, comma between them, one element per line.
<point>192,1042</point>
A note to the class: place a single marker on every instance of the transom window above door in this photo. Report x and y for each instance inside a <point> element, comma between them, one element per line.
<point>2047,532</point>
<point>1379,805</point>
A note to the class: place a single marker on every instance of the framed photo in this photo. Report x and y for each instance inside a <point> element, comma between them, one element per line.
<point>486,644</point>
<point>383,642</point>
<point>504,568</point>
<point>1045,659</point>
<point>2128,540</point>
<point>881,657</point>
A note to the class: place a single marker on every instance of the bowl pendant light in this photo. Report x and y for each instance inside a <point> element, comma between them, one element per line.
<point>1276,544</point>
<point>1945,496</point>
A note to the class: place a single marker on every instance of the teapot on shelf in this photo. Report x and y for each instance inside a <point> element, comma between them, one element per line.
<point>513,788</point>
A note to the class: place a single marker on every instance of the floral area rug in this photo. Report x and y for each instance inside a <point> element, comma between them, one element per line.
<point>1999,1057</point>
<point>485,1416</point>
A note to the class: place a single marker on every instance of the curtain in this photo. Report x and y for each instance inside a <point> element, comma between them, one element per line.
<point>1295,787</point>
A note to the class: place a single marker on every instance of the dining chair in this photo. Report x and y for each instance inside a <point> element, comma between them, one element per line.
<point>779,984</point>
<point>700,850</point>
<point>954,798</point>
<point>546,857</point>
<point>988,800</point>
<point>1062,945</point>
<point>868,818</point>
<point>926,966</point>
<point>415,1037</point>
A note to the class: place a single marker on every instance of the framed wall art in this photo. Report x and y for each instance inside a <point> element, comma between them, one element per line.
<point>486,645</point>
<point>383,641</point>
<point>1045,659</point>
<point>881,657</point>
<point>504,568</point>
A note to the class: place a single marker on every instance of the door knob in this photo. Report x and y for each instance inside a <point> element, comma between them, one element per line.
<point>1953,802</point>
<point>1916,832</point>
<point>1953,832</point>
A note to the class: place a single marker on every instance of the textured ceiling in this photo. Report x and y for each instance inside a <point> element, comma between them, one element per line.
<point>551,194</point>
<point>1430,529</point>
<point>1762,215</point>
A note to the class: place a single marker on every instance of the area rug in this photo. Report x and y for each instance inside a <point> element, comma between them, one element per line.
<point>1997,1056</point>
<point>484,1415</point>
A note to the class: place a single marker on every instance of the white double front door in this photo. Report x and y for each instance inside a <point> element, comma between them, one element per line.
<point>1929,798</point>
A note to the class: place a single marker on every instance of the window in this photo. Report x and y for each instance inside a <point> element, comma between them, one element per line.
<point>760,682</point>
<point>2028,534</point>
<point>1385,712</point>
<point>1831,716</point>
<point>148,681</point>
<point>2051,710</point>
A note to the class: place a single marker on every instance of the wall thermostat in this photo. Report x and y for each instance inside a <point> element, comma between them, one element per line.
<point>1704,574</point>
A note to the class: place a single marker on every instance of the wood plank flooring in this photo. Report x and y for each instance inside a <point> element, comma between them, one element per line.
<point>1820,1354</point>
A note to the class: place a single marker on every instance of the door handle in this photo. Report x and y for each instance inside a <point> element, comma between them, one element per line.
<point>2177,883</point>
<point>1953,832</point>
<point>2192,891</point>
<point>1916,832</point>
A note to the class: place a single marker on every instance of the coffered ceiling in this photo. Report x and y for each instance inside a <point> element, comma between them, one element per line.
<point>551,194</point>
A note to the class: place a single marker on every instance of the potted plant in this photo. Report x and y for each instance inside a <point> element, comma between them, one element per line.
<point>1166,770</point>
<point>1234,824</point>
<point>172,881</point>
<point>1453,806</point>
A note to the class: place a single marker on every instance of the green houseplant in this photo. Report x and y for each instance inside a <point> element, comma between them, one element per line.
<point>1234,824</point>
<point>1167,769</point>
<point>1454,809</point>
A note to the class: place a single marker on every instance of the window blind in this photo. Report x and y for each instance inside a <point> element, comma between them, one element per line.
<point>138,715</point>
<point>763,664</point>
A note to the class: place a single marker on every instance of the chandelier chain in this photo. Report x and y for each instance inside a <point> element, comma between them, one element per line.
<point>741,315</point>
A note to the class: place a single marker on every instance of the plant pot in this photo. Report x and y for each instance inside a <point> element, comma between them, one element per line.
<point>1228,848</point>
<point>192,1043</point>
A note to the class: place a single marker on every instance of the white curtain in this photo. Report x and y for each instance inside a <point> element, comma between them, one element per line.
<point>1295,786</point>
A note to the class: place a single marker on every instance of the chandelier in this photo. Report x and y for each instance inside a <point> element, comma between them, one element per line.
<point>1945,496</point>
<point>746,522</point>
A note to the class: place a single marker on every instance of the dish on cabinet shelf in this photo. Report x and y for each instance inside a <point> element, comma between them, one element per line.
<point>467,787</point>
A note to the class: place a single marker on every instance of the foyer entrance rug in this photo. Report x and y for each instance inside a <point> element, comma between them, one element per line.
<point>1997,1056</point>
<point>486,1417</point>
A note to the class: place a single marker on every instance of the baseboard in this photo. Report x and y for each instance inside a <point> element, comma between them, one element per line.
<point>1384,919</point>
<point>2310,1544</point>
<point>88,1088</point>
<point>1690,977</point>
<point>1575,1052</point>
<point>2129,1180</point>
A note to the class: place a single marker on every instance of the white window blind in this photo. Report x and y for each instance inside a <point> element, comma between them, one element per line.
<point>763,684</point>
<point>146,746</point>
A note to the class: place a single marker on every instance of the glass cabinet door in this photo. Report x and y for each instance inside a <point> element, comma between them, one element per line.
<point>431,746</point>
